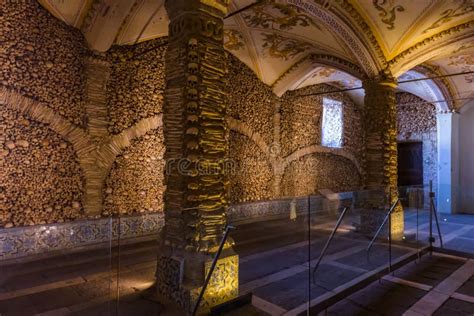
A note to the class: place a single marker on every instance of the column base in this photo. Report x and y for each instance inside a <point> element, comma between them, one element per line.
<point>179,280</point>
<point>370,221</point>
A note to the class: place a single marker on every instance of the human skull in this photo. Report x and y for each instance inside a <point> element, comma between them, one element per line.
<point>193,68</point>
<point>192,94</point>
<point>193,43</point>
<point>192,56</point>
<point>192,81</point>
<point>192,106</point>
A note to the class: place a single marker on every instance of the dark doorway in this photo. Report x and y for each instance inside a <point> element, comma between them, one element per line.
<point>410,163</point>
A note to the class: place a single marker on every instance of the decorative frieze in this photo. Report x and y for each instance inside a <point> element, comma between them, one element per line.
<point>36,240</point>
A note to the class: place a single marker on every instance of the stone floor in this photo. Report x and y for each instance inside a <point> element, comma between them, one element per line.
<point>274,258</point>
<point>400,292</point>
<point>457,230</point>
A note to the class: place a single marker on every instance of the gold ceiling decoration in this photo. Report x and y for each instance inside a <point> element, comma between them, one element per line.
<point>466,7</point>
<point>388,11</point>
<point>462,48</point>
<point>374,35</point>
<point>324,72</point>
<point>233,39</point>
<point>466,64</point>
<point>278,46</point>
<point>277,16</point>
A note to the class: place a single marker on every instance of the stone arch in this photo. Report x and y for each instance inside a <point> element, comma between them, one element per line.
<point>95,162</point>
<point>252,173</point>
<point>309,172</point>
<point>433,90</point>
<point>316,149</point>
<point>41,113</point>
<point>328,15</point>
<point>244,129</point>
<point>121,141</point>
<point>436,46</point>
<point>299,71</point>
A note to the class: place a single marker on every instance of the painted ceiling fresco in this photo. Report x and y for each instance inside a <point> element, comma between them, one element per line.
<point>290,44</point>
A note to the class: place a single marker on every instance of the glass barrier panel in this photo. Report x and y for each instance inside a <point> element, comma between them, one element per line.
<point>415,201</point>
<point>59,268</point>
<point>271,240</point>
<point>135,252</point>
<point>341,231</point>
<point>456,218</point>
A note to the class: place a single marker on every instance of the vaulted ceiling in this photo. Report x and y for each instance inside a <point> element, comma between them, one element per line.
<point>290,44</point>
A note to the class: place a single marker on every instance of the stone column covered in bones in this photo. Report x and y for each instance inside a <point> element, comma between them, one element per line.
<point>380,121</point>
<point>196,141</point>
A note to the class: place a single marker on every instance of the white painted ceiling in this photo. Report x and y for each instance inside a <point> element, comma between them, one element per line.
<point>276,38</point>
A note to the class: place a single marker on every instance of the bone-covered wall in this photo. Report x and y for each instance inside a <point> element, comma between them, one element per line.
<point>276,142</point>
<point>251,177</point>
<point>41,58</point>
<point>56,160</point>
<point>135,93</point>
<point>302,128</point>
<point>416,122</point>
<point>303,119</point>
<point>58,163</point>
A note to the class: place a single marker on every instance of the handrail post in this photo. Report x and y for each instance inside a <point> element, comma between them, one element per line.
<point>389,242</point>
<point>381,226</point>
<point>211,270</point>
<point>323,252</point>
<point>309,253</point>
<point>435,214</point>
<point>431,239</point>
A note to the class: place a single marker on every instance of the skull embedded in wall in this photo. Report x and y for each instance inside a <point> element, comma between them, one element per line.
<point>192,81</point>
<point>192,106</point>
<point>192,43</point>
<point>192,94</point>
<point>192,56</point>
<point>193,68</point>
<point>192,131</point>
<point>192,118</point>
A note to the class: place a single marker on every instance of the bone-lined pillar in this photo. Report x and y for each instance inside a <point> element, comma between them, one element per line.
<point>380,124</point>
<point>196,141</point>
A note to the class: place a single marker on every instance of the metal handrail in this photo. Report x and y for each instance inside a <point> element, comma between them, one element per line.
<point>323,252</point>
<point>392,208</point>
<point>213,266</point>
<point>433,211</point>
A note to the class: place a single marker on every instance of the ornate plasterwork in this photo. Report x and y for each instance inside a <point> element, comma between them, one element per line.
<point>427,90</point>
<point>356,30</point>
<point>462,48</point>
<point>344,31</point>
<point>387,12</point>
<point>278,46</point>
<point>442,83</point>
<point>428,48</point>
<point>324,72</point>
<point>283,17</point>
<point>465,63</point>
<point>221,5</point>
<point>291,78</point>
<point>465,7</point>
<point>347,8</point>
<point>233,39</point>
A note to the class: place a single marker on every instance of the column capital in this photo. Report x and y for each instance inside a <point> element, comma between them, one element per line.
<point>218,8</point>
<point>384,79</point>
